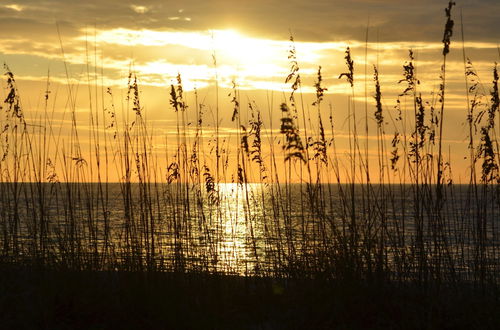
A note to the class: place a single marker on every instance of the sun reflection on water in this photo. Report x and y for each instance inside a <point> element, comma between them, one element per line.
<point>241,230</point>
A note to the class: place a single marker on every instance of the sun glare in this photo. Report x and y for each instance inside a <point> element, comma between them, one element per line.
<point>230,45</point>
<point>254,63</point>
<point>237,55</point>
<point>14,7</point>
<point>244,50</point>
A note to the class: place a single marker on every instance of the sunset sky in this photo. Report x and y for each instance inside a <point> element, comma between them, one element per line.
<point>102,41</point>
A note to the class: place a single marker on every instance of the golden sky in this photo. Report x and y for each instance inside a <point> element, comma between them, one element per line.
<point>102,41</point>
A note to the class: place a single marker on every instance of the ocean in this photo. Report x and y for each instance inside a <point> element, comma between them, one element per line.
<point>400,230</point>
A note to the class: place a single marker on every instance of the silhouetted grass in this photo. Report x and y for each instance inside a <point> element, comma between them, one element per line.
<point>194,227</point>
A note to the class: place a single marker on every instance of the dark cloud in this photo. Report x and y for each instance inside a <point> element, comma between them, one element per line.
<point>392,20</point>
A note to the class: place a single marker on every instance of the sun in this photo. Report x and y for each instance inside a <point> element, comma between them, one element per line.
<point>246,51</point>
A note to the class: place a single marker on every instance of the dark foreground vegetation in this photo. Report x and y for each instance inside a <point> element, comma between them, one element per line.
<point>48,299</point>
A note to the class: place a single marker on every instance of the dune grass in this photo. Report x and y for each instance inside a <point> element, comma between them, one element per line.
<point>314,212</point>
<point>275,204</point>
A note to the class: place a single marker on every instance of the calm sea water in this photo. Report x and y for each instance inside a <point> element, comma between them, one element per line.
<point>250,228</point>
